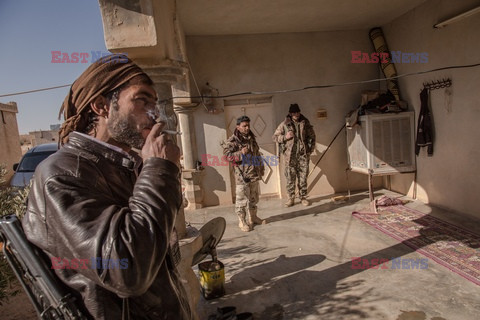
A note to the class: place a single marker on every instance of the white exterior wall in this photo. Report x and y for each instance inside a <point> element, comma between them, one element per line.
<point>275,62</point>
<point>9,137</point>
<point>450,178</point>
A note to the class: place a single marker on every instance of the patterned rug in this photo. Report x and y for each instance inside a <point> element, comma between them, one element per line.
<point>449,245</point>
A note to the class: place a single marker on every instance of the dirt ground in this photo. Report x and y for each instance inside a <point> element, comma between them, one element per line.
<point>18,307</point>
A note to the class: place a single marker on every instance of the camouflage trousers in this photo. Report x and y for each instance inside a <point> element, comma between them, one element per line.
<point>246,196</point>
<point>296,173</point>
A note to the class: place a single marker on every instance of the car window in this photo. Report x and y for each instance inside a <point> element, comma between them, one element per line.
<point>31,160</point>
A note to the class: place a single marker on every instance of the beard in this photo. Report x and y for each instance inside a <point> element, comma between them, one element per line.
<point>124,130</point>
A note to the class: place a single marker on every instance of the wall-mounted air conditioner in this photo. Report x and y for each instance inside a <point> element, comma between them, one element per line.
<point>382,144</point>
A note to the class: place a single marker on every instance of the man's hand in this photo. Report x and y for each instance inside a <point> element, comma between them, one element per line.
<point>289,135</point>
<point>159,145</point>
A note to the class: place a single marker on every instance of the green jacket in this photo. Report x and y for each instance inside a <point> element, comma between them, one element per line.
<point>249,166</point>
<point>303,142</point>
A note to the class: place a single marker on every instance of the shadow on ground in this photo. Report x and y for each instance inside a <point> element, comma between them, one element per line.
<point>275,274</point>
<point>300,293</point>
<point>314,209</point>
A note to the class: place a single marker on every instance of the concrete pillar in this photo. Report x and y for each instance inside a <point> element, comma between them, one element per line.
<point>191,177</point>
<point>150,34</point>
<point>163,77</point>
<point>187,126</point>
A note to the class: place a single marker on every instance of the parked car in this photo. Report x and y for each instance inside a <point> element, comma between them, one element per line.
<point>25,169</point>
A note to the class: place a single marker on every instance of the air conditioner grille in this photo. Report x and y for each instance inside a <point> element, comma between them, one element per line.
<point>382,143</point>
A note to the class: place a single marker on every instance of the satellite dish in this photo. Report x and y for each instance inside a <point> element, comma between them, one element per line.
<point>212,233</point>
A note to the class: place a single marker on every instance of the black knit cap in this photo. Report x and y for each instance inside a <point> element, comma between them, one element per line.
<point>294,108</point>
<point>243,119</point>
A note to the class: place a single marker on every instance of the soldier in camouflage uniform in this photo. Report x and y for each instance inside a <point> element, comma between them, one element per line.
<point>296,139</point>
<point>242,150</point>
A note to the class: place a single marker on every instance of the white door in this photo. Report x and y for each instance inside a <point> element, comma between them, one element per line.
<point>261,124</point>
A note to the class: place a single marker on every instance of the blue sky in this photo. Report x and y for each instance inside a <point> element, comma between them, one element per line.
<point>29,32</point>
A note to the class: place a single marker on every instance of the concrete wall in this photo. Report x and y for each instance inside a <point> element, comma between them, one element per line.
<point>9,137</point>
<point>276,62</point>
<point>450,178</point>
<point>34,138</point>
<point>43,136</point>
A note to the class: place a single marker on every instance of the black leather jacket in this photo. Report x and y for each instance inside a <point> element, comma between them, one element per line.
<point>87,204</point>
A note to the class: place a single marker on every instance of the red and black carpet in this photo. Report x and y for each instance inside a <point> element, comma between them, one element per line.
<point>453,247</point>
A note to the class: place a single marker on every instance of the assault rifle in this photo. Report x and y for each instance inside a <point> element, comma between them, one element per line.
<point>48,295</point>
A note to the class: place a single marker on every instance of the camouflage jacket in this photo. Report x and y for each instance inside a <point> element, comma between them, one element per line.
<point>248,167</point>
<point>303,142</point>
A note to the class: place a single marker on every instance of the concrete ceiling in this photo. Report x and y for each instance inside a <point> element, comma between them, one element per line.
<point>222,17</point>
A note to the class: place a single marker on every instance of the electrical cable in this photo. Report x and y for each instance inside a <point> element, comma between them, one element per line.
<point>281,91</point>
<point>333,85</point>
<point>196,85</point>
<point>31,91</point>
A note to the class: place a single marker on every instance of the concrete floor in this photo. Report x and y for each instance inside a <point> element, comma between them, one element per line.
<point>298,266</point>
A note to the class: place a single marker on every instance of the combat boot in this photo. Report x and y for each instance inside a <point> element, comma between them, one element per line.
<point>242,223</point>
<point>290,202</point>
<point>305,202</point>
<point>253,218</point>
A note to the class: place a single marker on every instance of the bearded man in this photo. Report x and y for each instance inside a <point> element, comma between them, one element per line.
<point>99,202</point>
<point>296,139</point>
<point>242,151</point>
